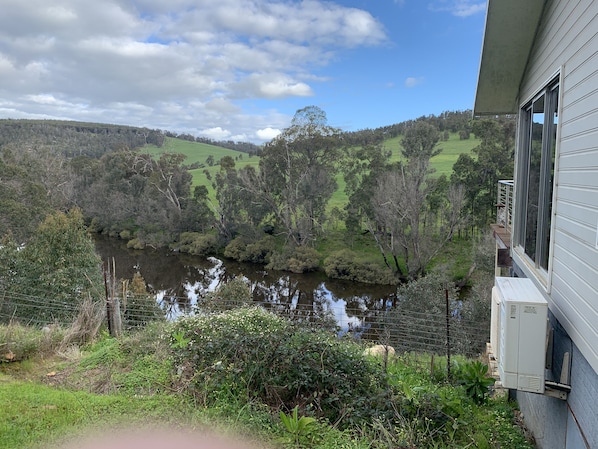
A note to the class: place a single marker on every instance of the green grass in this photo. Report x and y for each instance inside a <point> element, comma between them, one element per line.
<point>443,163</point>
<point>32,412</point>
<point>197,152</point>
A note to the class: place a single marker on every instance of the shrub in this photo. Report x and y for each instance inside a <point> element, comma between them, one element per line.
<point>343,265</point>
<point>256,252</point>
<point>259,252</point>
<point>298,260</point>
<point>235,248</point>
<point>252,353</point>
<point>198,244</point>
<point>473,376</point>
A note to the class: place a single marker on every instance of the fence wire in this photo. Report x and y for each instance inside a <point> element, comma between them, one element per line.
<point>405,330</point>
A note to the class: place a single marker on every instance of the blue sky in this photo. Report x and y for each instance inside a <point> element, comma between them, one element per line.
<point>238,69</point>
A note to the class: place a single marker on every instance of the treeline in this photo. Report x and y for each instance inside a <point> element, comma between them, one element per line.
<point>278,213</point>
<point>75,138</point>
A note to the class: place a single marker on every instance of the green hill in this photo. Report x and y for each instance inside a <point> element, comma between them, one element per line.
<point>198,153</point>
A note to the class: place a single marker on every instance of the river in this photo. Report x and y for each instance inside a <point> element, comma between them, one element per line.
<point>178,280</point>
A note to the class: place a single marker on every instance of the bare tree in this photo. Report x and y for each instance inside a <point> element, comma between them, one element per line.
<point>408,226</point>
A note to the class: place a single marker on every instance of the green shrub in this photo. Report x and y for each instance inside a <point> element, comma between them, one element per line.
<point>198,244</point>
<point>252,353</point>
<point>473,376</point>
<point>298,260</point>
<point>235,248</point>
<point>255,252</point>
<point>259,252</point>
<point>344,264</point>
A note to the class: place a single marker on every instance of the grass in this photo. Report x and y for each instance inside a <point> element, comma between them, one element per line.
<point>443,163</point>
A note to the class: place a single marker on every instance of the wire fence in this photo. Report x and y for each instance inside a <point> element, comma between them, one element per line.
<point>439,331</point>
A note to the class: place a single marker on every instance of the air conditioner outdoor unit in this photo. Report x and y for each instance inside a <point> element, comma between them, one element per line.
<point>518,333</point>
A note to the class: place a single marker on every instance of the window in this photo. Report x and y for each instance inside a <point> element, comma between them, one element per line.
<point>537,150</point>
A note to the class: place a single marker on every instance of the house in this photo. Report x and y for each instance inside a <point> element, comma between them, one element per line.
<point>540,61</point>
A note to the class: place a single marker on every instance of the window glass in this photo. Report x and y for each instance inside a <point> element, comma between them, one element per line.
<point>537,158</point>
<point>533,177</point>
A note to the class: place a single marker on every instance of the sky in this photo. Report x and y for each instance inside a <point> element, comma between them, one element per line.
<point>238,69</point>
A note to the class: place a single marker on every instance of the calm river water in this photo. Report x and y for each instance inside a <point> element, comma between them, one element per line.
<point>178,280</point>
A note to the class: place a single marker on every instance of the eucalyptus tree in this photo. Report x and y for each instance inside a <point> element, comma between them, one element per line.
<point>480,172</point>
<point>296,176</point>
<point>414,215</point>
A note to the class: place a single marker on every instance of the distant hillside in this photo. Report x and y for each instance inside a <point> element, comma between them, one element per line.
<point>202,159</point>
<point>75,138</point>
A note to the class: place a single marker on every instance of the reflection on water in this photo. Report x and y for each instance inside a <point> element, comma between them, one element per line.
<point>178,280</point>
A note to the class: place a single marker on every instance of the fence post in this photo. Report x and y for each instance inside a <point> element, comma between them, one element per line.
<point>108,311</point>
<point>448,336</point>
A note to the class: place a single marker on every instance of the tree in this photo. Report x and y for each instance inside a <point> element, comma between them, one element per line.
<point>413,215</point>
<point>296,176</point>
<point>492,160</point>
<point>58,262</point>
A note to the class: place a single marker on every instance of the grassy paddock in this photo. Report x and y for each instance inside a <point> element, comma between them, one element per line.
<point>197,152</point>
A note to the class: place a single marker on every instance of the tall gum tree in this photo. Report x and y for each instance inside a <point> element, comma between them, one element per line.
<point>405,221</point>
<point>296,176</point>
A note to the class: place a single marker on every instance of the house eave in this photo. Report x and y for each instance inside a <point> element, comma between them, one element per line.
<point>511,27</point>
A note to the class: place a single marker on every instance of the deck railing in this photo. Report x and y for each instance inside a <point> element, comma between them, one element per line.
<point>504,205</point>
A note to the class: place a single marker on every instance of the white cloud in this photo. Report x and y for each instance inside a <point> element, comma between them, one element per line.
<point>267,133</point>
<point>216,133</point>
<point>176,65</point>
<point>411,82</point>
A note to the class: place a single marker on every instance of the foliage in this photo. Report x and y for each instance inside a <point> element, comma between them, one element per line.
<point>255,252</point>
<point>251,353</point>
<point>345,264</point>
<point>491,161</point>
<point>138,306</point>
<point>198,244</point>
<point>149,198</point>
<point>296,176</point>
<point>134,376</point>
<point>300,428</point>
<point>300,259</point>
<point>473,376</point>
<point>24,200</point>
<point>60,262</point>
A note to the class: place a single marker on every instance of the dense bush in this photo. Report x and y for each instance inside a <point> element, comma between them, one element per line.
<point>255,252</point>
<point>344,264</point>
<point>297,260</point>
<point>252,353</point>
<point>198,244</point>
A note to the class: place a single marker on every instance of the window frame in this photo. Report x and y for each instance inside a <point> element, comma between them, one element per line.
<point>540,262</point>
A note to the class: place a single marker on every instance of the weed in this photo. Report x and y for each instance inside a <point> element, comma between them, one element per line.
<point>473,376</point>
<point>300,428</point>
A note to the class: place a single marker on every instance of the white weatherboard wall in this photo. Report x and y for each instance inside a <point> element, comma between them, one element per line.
<point>567,44</point>
<point>522,327</point>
